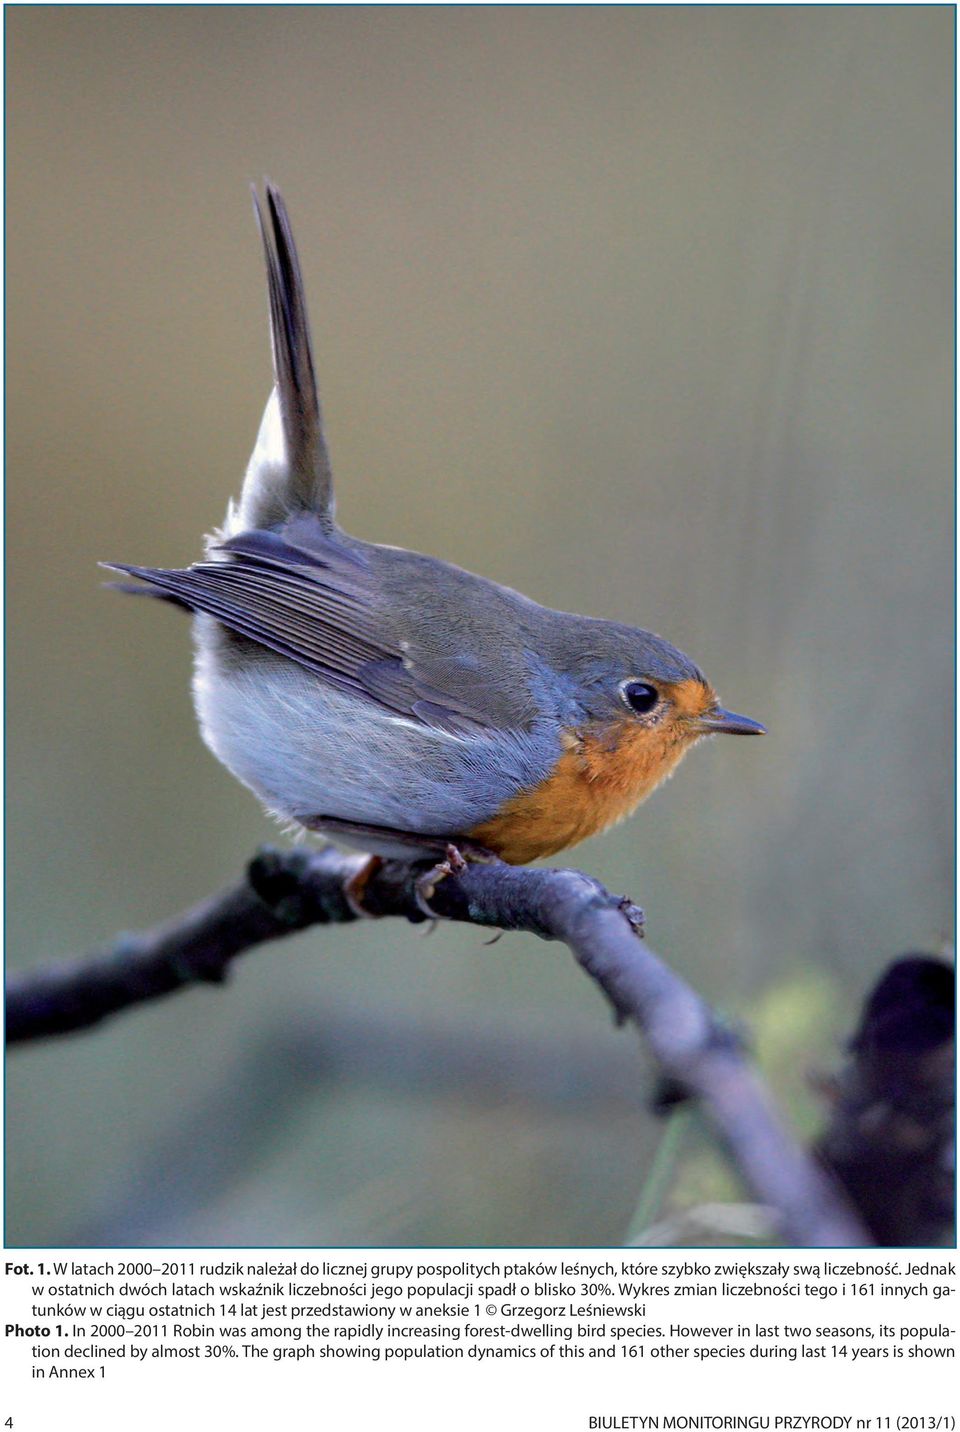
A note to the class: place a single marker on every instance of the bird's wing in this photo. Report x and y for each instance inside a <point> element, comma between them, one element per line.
<point>318,608</point>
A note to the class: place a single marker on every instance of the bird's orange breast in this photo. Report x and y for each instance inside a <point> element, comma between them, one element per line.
<point>599,779</point>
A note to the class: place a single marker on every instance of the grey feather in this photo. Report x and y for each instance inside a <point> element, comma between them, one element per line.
<point>300,476</point>
<point>320,614</point>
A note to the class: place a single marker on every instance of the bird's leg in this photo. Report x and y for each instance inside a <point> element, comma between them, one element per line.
<point>456,858</point>
<point>355,887</point>
<point>426,884</point>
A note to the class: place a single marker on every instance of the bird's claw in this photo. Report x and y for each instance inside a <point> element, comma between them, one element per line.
<point>355,888</point>
<point>425,887</point>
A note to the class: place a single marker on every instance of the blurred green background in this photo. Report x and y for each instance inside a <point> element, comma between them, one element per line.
<point>645,311</point>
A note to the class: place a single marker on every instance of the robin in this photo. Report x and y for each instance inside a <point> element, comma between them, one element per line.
<point>393,701</point>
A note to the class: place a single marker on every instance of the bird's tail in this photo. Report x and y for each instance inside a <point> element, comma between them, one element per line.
<point>289,470</point>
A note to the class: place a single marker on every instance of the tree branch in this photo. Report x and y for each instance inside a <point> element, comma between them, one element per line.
<point>287,891</point>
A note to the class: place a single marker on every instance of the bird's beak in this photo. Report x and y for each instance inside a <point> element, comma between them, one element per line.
<point>729,721</point>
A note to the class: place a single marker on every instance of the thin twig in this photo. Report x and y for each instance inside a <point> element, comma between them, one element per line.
<point>286,891</point>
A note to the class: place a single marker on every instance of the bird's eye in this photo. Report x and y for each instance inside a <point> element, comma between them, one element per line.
<point>640,697</point>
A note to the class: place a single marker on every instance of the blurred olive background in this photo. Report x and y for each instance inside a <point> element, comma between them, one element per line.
<point>645,311</point>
